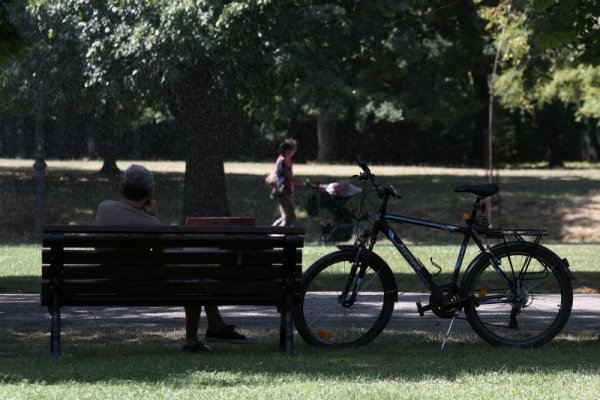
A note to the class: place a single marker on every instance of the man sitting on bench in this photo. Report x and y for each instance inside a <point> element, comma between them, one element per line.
<point>138,207</point>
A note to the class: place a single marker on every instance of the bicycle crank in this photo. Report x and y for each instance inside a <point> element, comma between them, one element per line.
<point>443,306</point>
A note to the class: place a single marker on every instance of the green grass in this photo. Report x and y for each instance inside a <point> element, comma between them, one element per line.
<point>20,269</point>
<point>118,364</point>
<point>20,266</point>
<point>149,365</point>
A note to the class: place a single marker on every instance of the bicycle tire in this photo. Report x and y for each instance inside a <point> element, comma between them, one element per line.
<point>323,321</point>
<point>539,311</point>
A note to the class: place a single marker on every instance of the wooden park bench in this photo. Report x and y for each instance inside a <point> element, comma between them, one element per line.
<point>171,266</point>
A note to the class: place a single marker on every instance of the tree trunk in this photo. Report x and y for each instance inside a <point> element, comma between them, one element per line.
<point>201,120</point>
<point>20,139</point>
<point>66,144</point>
<point>108,150</point>
<point>480,146</point>
<point>205,192</point>
<point>136,144</point>
<point>326,138</point>
<point>552,131</point>
<point>40,175</point>
<point>520,140</point>
<point>471,28</point>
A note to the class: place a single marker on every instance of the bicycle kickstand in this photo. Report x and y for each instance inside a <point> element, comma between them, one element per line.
<point>456,314</point>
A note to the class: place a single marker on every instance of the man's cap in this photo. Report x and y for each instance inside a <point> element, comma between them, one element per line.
<point>138,177</point>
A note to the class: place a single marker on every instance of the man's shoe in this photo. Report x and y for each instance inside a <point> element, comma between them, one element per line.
<point>199,348</point>
<point>227,334</point>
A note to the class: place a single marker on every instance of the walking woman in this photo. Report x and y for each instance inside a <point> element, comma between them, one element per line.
<point>285,185</point>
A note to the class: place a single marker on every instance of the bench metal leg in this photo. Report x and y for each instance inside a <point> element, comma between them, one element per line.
<point>55,331</point>
<point>286,330</point>
<point>289,328</point>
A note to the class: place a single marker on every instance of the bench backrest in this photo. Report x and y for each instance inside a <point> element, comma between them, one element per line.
<point>169,265</point>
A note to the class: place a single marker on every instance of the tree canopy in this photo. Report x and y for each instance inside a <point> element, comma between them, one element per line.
<point>402,81</point>
<point>575,23</point>
<point>10,41</point>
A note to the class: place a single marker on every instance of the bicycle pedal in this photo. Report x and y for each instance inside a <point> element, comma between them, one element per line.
<point>421,309</point>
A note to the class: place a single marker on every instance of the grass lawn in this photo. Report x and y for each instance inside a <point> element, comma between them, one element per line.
<point>132,364</point>
<point>149,365</point>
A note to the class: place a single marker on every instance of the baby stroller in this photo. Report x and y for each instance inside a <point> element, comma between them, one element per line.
<point>333,198</point>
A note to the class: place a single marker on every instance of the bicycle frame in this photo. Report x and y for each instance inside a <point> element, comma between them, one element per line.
<point>381,225</point>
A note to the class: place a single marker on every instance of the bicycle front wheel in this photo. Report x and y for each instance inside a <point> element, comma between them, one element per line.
<point>525,305</point>
<point>325,319</point>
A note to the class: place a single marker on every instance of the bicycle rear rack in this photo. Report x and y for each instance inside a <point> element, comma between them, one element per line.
<point>519,234</point>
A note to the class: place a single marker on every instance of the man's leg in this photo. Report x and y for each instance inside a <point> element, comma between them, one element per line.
<point>192,321</point>
<point>218,330</point>
<point>213,316</point>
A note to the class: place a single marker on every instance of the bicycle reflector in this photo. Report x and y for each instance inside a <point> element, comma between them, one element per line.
<point>483,291</point>
<point>325,335</point>
<point>466,216</point>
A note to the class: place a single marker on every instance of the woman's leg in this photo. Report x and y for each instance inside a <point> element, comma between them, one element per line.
<point>288,210</point>
<point>281,220</point>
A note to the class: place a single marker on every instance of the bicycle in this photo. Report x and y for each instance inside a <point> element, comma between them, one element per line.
<point>513,293</point>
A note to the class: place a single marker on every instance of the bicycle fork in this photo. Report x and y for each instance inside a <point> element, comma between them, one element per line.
<point>354,281</point>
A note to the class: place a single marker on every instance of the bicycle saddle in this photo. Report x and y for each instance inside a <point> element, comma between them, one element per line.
<point>483,190</point>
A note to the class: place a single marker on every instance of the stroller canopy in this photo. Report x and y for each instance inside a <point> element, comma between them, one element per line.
<point>340,189</point>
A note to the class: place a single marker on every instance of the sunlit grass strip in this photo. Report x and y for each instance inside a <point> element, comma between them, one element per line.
<point>340,171</point>
<point>20,266</point>
<point>22,260</point>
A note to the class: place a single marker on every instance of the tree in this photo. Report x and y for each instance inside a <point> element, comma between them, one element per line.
<point>160,54</point>
<point>10,41</point>
<point>174,62</point>
<point>541,81</point>
<point>419,62</point>
<point>576,23</point>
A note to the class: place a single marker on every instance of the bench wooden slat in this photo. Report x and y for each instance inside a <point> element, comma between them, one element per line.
<point>145,257</point>
<point>140,273</point>
<point>141,242</point>
<point>175,229</point>
<point>161,301</point>
<point>168,287</point>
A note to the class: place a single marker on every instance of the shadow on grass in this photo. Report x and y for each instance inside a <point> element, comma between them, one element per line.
<point>530,202</point>
<point>20,284</point>
<point>149,357</point>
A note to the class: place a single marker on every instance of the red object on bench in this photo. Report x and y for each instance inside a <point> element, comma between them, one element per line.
<point>248,221</point>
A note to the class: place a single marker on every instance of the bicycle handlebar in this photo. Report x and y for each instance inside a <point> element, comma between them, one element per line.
<point>382,190</point>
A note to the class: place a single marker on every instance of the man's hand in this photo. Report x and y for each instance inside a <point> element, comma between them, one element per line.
<point>152,207</point>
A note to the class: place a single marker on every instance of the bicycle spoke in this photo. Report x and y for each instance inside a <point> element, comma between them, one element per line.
<point>331,321</point>
<point>533,314</point>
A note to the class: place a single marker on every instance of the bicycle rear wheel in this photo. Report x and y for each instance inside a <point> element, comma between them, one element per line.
<point>532,314</point>
<point>323,319</point>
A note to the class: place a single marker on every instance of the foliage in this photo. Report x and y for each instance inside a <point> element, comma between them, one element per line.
<point>47,71</point>
<point>10,41</point>
<point>534,76</point>
<point>413,73</point>
<point>383,60</point>
<point>575,23</point>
